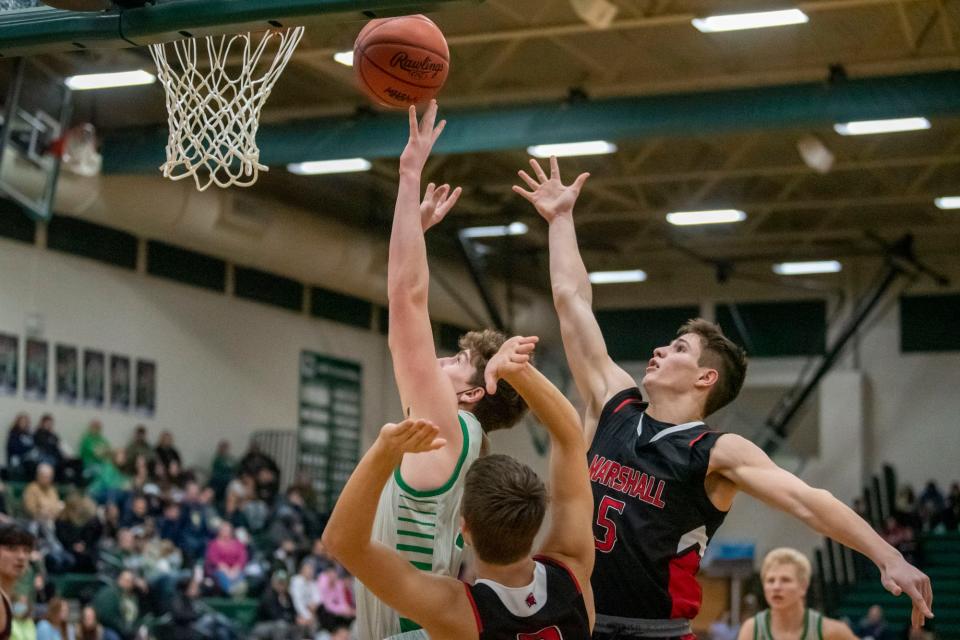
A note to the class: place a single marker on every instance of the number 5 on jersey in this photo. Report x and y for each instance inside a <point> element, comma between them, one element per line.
<point>605,545</point>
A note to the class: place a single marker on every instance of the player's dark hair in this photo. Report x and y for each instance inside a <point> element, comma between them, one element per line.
<point>720,353</point>
<point>503,505</point>
<point>505,408</point>
<point>12,535</point>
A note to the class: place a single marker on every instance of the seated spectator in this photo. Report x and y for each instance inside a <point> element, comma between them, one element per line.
<point>303,483</point>
<point>54,625</point>
<point>319,557</point>
<point>40,499</point>
<point>226,560</point>
<point>89,628</point>
<point>166,452</point>
<point>79,530</point>
<point>336,611</point>
<point>169,524</point>
<point>183,609</point>
<point>305,595</point>
<point>125,555</point>
<point>276,617</point>
<point>905,505</point>
<point>136,512</point>
<point>222,470</point>
<point>117,605</point>
<point>899,537</point>
<point>288,520</point>
<point>139,446</point>
<point>109,484</point>
<point>194,523</point>
<point>94,447</point>
<point>21,452</point>
<point>22,626</point>
<point>254,460</point>
<point>931,494</point>
<point>872,626</point>
<point>49,450</point>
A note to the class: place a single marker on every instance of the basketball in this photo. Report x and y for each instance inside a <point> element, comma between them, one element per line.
<point>401,61</point>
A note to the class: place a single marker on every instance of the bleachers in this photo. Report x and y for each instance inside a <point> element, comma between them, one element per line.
<point>941,561</point>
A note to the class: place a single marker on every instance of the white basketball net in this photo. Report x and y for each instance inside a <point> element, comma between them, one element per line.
<point>214,115</point>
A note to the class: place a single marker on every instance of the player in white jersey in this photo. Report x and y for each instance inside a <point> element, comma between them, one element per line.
<point>449,392</point>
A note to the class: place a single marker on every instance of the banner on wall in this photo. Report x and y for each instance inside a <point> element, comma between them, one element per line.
<point>67,374</point>
<point>36,370</point>
<point>145,401</point>
<point>9,364</point>
<point>120,383</point>
<point>330,422</point>
<point>93,378</point>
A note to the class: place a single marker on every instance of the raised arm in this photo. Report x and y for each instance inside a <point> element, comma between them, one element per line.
<point>751,471</point>
<point>424,391</point>
<point>596,375</point>
<point>438,603</point>
<point>570,537</point>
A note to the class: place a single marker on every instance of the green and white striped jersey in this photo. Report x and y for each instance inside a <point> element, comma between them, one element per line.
<point>424,526</point>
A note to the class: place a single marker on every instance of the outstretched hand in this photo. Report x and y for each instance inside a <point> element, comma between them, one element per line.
<point>550,197</point>
<point>902,577</point>
<point>422,137</point>
<point>513,355</point>
<point>436,204</point>
<point>411,436</point>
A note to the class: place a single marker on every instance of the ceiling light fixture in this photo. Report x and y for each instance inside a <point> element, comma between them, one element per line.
<point>617,277</point>
<point>89,81</point>
<point>713,216</point>
<point>947,202</point>
<point>588,148</point>
<point>319,167</point>
<point>755,20</point>
<point>512,229</point>
<point>344,57</point>
<point>890,125</point>
<point>806,268</point>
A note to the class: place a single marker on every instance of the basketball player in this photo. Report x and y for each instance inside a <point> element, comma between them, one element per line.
<point>449,392</point>
<point>785,574</point>
<point>516,595</point>
<point>16,545</point>
<point>662,481</point>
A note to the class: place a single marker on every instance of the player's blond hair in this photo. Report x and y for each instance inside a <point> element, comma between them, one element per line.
<point>786,555</point>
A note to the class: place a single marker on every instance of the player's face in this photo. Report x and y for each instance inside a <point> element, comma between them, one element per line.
<point>674,366</point>
<point>14,561</point>
<point>782,587</point>
<point>460,371</point>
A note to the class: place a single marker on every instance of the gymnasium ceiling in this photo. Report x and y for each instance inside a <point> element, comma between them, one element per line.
<point>515,52</point>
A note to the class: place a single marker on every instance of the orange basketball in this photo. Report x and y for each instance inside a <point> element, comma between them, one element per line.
<point>401,61</point>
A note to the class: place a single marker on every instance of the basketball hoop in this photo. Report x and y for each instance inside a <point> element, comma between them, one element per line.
<point>214,115</point>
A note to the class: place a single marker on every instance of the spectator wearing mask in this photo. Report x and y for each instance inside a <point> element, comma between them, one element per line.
<point>55,625</point>
<point>22,626</point>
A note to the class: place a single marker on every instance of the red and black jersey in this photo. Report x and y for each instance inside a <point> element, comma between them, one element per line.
<point>653,517</point>
<point>550,608</point>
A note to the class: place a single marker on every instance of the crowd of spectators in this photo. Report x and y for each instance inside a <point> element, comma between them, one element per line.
<point>161,537</point>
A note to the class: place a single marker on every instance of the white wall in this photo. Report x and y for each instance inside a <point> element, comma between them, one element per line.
<point>225,367</point>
